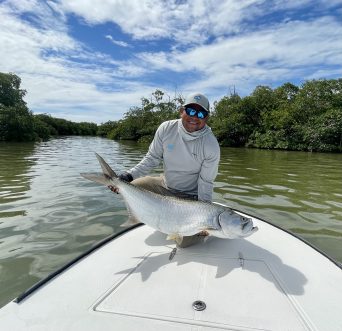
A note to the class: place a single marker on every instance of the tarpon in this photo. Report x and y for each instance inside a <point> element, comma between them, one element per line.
<point>174,216</point>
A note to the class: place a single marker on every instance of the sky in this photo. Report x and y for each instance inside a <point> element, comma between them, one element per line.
<point>92,60</point>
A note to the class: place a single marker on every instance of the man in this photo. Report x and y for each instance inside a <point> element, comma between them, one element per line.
<point>190,154</point>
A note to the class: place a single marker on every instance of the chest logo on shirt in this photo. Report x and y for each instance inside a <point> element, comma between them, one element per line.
<point>170,147</point>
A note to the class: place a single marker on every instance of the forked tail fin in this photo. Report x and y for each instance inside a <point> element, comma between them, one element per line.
<point>106,177</point>
<point>107,170</point>
<point>97,177</point>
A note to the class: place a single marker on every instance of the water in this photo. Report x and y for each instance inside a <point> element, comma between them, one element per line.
<point>49,214</point>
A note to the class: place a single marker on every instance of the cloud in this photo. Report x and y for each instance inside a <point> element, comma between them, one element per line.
<point>200,45</point>
<point>62,76</point>
<point>41,14</point>
<point>287,50</point>
<point>186,22</point>
<point>117,42</point>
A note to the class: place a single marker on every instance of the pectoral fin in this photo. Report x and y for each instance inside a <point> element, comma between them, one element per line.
<point>130,221</point>
<point>174,236</point>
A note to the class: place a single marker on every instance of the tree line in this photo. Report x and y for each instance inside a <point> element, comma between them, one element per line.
<point>18,123</point>
<point>307,118</point>
<point>140,123</point>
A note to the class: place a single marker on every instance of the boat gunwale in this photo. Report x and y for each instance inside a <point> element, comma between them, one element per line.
<point>338,264</point>
<point>89,251</point>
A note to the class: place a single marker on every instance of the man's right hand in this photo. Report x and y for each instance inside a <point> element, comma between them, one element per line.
<point>125,176</point>
<point>114,189</point>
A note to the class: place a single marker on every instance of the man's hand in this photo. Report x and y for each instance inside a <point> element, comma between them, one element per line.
<point>125,176</point>
<point>114,189</point>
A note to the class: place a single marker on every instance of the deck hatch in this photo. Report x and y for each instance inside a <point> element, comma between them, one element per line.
<point>162,289</point>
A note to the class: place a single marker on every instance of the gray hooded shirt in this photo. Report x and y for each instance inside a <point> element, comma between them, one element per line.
<point>190,160</point>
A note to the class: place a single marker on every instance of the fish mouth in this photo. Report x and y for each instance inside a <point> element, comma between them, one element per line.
<point>233,225</point>
<point>246,224</point>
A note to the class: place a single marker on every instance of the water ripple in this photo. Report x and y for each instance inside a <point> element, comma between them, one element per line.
<point>50,214</point>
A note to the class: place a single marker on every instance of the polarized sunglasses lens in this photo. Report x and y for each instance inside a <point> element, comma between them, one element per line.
<point>190,111</point>
<point>201,114</point>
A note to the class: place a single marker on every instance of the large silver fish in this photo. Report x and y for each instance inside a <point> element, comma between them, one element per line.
<point>173,216</point>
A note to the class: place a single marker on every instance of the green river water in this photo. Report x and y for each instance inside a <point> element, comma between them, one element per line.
<point>49,214</point>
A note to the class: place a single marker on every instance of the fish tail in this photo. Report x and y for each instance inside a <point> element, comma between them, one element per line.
<point>107,170</point>
<point>97,177</point>
<point>106,178</point>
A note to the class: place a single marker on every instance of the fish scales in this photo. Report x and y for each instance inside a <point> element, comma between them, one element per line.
<point>174,216</point>
<point>168,214</point>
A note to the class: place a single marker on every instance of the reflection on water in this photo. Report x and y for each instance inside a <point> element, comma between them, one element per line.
<point>50,214</point>
<point>296,190</point>
<point>15,164</point>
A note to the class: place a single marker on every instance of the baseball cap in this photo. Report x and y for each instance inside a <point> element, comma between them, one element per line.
<point>198,99</point>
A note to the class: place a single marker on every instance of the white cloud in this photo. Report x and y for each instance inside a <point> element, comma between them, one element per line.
<point>22,45</point>
<point>140,18</point>
<point>117,42</point>
<point>186,22</point>
<point>43,14</point>
<point>210,45</point>
<point>286,50</point>
<point>189,22</point>
<point>59,73</point>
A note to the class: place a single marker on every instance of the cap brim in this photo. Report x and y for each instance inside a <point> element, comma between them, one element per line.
<point>195,103</point>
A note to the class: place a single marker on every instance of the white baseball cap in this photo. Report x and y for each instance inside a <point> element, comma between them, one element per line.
<point>198,99</point>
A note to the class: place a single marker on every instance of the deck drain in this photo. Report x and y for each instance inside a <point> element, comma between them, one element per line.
<point>199,305</point>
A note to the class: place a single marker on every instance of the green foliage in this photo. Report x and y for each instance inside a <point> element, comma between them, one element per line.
<point>59,126</point>
<point>48,122</point>
<point>140,123</point>
<point>105,128</point>
<point>43,130</point>
<point>325,132</point>
<point>289,117</point>
<point>10,92</point>
<point>17,123</point>
<point>308,117</point>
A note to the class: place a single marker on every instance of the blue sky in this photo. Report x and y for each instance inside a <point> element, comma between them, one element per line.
<point>91,60</point>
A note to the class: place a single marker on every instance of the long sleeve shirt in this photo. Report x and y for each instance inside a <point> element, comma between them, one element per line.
<point>190,160</point>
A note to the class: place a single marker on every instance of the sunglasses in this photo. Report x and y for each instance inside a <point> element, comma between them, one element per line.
<point>201,114</point>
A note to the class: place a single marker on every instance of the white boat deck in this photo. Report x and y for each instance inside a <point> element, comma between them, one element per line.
<point>269,281</point>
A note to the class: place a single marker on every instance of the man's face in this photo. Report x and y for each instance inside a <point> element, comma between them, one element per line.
<point>192,123</point>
